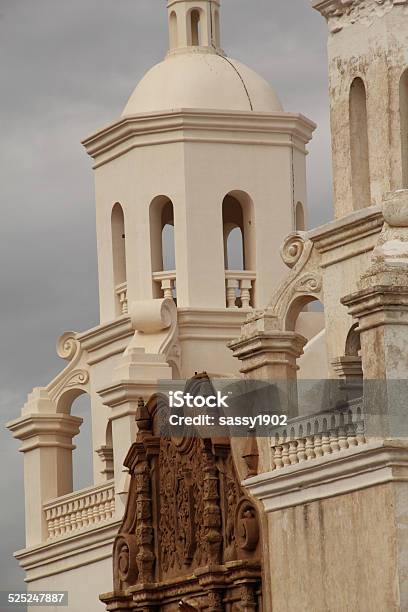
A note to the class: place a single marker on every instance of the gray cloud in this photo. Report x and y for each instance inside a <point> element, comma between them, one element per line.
<point>67,70</point>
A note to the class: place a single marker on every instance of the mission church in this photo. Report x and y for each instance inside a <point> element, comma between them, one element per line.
<point>208,272</point>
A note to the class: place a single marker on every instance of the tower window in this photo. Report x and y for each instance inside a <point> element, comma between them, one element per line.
<point>173,30</point>
<point>216,34</point>
<point>404,127</point>
<point>195,27</point>
<point>300,222</point>
<point>118,251</point>
<point>162,240</point>
<point>359,147</point>
<point>233,224</point>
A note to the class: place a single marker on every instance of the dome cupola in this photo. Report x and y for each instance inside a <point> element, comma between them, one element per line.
<point>194,24</point>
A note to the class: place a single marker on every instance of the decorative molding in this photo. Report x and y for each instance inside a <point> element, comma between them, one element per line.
<point>344,13</point>
<point>106,334</point>
<point>293,247</point>
<point>40,430</point>
<point>348,470</point>
<point>68,346</point>
<point>77,377</point>
<point>77,550</point>
<point>187,125</point>
<point>351,228</point>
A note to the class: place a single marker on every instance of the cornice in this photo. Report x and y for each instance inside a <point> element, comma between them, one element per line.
<point>352,228</point>
<point>186,125</point>
<point>105,334</point>
<point>332,475</point>
<point>344,13</point>
<point>72,552</point>
<point>40,430</point>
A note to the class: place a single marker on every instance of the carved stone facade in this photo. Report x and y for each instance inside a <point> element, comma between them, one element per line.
<point>344,13</point>
<point>191,537</point>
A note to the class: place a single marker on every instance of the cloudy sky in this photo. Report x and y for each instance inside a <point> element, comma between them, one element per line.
<point>67,69</point>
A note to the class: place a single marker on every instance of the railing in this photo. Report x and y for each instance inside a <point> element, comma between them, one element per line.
<point>239,288</point>
<point>80,510</point>
<point>121,292</point>
<point>167,281</point>
<point>316,436</point>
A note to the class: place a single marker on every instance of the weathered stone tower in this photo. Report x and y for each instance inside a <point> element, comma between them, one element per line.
<point>368,56</point>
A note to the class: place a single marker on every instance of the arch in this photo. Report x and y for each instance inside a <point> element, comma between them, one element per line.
<point>301,303</point>
<point>353,342</point>
<point>118,251</point>
<point>162,237</point>
<point>108,435</point>
<point>195,27</point>
<point>359,145</point>
<point>403,104</point>
<point>77,402</point>
<point>216,29</point>
<point>82,455</point>
<point>173,29</point>
<point>238,230</point>
<point>300,222</point>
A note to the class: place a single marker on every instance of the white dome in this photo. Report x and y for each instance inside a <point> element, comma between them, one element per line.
<point>202,80</point>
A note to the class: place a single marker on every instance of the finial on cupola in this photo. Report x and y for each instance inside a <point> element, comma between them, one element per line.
<point>194,25</point>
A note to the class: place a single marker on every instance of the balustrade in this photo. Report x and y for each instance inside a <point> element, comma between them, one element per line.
<point>167,282</point>
<point>80,510</point>
<point>121,292</point>
<point>239,288</point>
<point>316,436</point>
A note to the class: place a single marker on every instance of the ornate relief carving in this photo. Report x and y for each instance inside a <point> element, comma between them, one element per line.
<point>292,248</point>
<point>77,377</point>
<point>186,516</point>
<point>246,525</point>
<point>67,346</point>
<point>343,13</point>
<point>303,280</point>
<point>309,283</point>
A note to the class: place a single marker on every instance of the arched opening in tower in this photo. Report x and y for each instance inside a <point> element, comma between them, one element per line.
<point>359,145</point>
<point>118,255</point>
<point>195,23</point>
<point>162,244</point>
<point>173,30</point>
<point>300,222</point>
<point>403,94</point>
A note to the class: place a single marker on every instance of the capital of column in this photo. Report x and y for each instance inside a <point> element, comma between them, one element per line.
<point>270,354</point>
<point>45,430</point>
<point>379,305</point>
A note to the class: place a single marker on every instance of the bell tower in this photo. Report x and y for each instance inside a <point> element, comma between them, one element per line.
<point>194,23</point>
<point>368,62</point>
<point>197,184</point>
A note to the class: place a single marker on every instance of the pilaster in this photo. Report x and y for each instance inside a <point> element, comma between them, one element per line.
<point>47,447</point>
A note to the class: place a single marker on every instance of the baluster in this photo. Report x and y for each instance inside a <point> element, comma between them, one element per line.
<point>232,286</point>
<point>334,442</point>
<point>278,457</point>
<point>361,439</point>
<point>309,448</point>
<point>343,443</point>
<point>285,454</point>
<point>318,445</point>
<point>167,288</point>
<point>293,452</point>
<point>246,286</point>
<point>301,450</point>
<point>326,448</point>
<point>123,301</point>
<point>351,435</point>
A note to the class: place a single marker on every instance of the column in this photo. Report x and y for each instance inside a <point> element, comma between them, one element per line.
<point>47,448</point>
